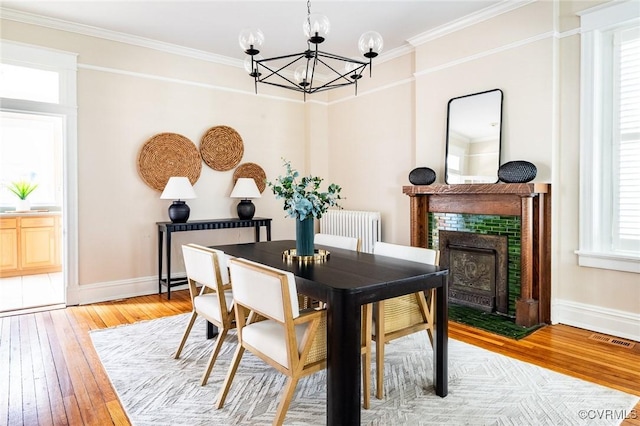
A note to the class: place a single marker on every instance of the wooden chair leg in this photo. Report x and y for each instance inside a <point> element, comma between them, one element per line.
<point>366,355</point>
<point>285,400</point>
<point>235,362</point>
<point>366,381</point>
<point>192,320</point>
<point>379,349</point>
<point>222,333</point>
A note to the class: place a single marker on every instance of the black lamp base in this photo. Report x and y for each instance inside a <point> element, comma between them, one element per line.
<point>246,209</point>
<point>179,212</point>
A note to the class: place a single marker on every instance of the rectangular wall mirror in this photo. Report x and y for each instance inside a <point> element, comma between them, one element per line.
<point>474,133</point>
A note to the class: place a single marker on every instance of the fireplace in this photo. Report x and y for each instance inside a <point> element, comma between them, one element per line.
<point>478,269</point>
<point>530,203</point>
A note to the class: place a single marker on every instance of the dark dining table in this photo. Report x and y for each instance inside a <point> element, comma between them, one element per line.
<point>346,280</point>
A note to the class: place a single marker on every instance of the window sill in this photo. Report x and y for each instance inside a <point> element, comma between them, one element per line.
<point>616,262</point>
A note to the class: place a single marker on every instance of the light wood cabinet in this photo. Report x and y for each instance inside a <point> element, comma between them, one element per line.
<point>29,245</point>
<point>8,245</point>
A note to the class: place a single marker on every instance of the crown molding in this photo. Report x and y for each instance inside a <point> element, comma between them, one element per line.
<point>466,21</point>
<point>395,53</point>
<point>59,24</point>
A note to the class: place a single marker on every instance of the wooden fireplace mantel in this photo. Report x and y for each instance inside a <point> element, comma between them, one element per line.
<point>530,201</point>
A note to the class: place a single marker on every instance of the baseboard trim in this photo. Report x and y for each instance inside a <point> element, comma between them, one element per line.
<point>123,289</point>
<point>608,321</point>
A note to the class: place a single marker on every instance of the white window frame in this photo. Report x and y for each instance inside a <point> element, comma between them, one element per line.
<point>595,154</point>
<point>65,63</point>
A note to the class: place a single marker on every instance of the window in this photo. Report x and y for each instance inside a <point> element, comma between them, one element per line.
<point>627,128</point>
<point>27,83</point>
<point>610,138</point>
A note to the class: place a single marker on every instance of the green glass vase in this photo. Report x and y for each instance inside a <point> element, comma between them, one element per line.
<point>304,237</point>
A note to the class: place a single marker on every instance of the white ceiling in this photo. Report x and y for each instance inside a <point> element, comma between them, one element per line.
<point>213,26</point>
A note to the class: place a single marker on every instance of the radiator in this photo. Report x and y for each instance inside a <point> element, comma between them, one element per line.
<point>351,223</point>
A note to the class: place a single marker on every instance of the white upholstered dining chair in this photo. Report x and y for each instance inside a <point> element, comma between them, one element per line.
<point>338,241</point>
<point>214,301</point>
<point>399,316</point>
<point>271,326</point>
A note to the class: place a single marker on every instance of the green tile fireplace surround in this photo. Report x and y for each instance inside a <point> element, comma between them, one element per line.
<point>520,213</point>
<point>508,226</point>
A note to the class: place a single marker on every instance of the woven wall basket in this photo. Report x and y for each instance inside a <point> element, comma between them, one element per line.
<point>221,148</point>
<point>251,170</point>
<point>166,155</point>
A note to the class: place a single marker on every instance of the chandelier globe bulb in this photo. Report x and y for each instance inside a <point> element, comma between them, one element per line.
<point>251,40</point>
<point>301,76</point>
<point>316,27</point>
<point>350,69</point>
<point>250,65</point>
<point>370,44</point>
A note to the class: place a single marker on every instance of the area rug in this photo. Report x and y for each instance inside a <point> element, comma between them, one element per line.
<point>485,388</point>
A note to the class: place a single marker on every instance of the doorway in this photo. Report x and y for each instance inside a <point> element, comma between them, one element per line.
<point>38,146</point>
<point>31,215</point>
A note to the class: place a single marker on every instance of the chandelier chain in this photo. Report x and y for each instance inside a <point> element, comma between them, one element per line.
<point>309,22</point>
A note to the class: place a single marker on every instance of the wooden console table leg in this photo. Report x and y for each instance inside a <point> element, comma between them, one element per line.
<point>160,253</point>
<point>526,305</point>
<point>168,264</point>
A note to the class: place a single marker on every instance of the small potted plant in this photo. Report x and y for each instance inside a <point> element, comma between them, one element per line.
<point>22,189</point>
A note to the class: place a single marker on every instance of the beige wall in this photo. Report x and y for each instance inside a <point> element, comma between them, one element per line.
<point>368,143</point>
<point>371,153</point>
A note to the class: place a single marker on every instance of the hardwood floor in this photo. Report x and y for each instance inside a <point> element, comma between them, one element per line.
<point>51,375</point>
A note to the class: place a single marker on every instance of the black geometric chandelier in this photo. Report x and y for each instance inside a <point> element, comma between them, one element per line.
<point>313,70</point>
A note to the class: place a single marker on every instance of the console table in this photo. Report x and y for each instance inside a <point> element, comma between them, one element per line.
<point>199,225</point>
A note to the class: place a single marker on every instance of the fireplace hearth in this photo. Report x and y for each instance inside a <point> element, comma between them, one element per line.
<point>478,269</point>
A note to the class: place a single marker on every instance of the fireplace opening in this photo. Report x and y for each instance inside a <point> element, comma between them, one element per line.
<point>478,269</point>
<point>472,277</point>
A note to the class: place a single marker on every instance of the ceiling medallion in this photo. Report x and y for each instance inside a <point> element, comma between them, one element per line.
<point>313,70</point>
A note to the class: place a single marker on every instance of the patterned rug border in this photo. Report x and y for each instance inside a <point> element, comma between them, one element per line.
<point>156,389</point>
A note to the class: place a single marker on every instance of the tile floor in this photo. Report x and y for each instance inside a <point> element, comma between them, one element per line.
<point>31,291</point>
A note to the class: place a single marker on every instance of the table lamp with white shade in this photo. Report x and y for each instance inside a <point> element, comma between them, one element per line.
<point>245,189</point>
<point>178,188</point>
